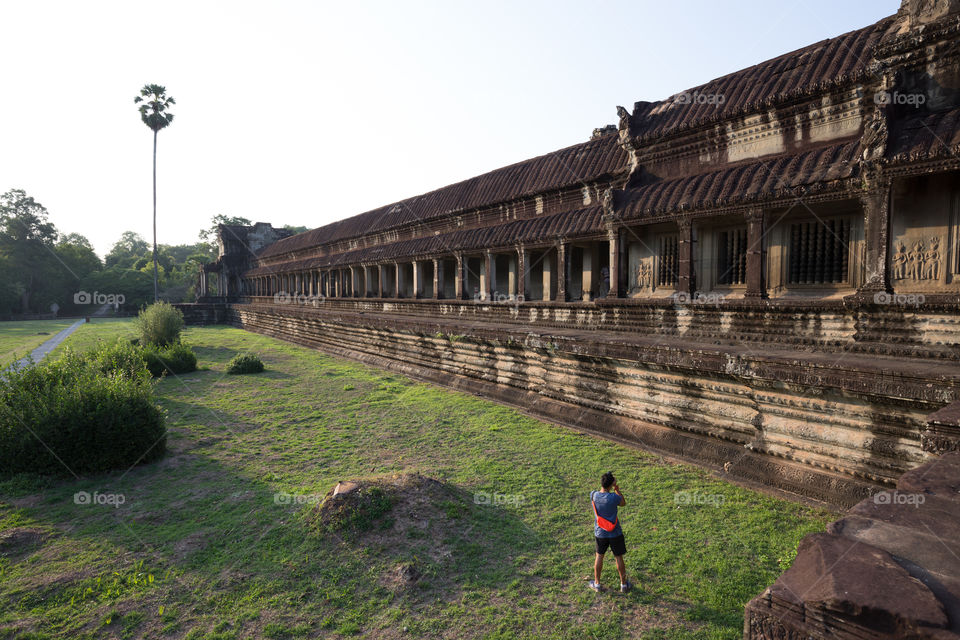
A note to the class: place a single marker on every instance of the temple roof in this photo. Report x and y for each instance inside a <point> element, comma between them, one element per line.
<point>533,230</point>
<point>788,174</point>
<point>574,165</point>
<point>826,67</point>
<point>815,68</point>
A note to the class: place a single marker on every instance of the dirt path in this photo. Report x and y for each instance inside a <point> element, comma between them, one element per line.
<point>41,352</point>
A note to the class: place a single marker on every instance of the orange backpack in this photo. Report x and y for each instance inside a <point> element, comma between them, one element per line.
<point>602,522</point>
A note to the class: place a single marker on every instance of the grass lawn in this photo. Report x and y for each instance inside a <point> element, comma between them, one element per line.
<point>202,547</point>
<point>18,338</point>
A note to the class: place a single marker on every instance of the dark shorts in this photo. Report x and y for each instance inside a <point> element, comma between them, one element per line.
<point>617,545</point>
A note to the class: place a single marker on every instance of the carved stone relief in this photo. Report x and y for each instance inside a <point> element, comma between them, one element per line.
<point>922,261</point>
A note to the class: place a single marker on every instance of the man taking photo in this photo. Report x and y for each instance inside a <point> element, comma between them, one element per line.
<point>607,531</point>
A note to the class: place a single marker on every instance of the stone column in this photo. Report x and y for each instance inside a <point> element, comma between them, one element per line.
<point>563,271</point>
<point>756,287</point>
<point>590,275</point>
<point>417,279</point>
<point>458,285</point>
<point>524,277</point>
<point>437,279</point>
<point>686,280</point>
<point>513,273</point>
<point>613,239</point>
<point>876,236</point>
<point>549,274</point>
<point>398,277</point>
<point>487,288</point>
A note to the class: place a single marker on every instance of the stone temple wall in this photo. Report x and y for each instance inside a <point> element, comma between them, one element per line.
<point>889,569</point>
<point>803,423</point>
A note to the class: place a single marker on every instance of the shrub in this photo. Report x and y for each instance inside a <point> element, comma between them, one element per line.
<point>79,414</point>
<point>121,357</point>
<point>159,325</point>
<point>246,363</point>
<point>176,358</point>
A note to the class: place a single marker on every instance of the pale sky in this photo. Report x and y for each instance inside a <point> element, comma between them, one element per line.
<point>295,112</point>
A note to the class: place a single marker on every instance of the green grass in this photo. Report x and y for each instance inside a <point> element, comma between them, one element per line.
<point>201,549</point>
<point>18,338</point>
<point>98,330</point>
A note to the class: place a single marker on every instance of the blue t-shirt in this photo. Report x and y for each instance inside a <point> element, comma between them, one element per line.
<point>607,503</point>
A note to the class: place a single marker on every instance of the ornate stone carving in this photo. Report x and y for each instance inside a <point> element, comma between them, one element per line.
<point>899,261</point>
<point>932,260</point>
<point>914,13</point>
<point>609,207</point>
<point>875,133</point>
<point>921,262</point>
<point>644,275</point>
<point>624,120</point>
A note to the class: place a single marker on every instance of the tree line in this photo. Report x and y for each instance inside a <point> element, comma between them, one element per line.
<point>42,269</point>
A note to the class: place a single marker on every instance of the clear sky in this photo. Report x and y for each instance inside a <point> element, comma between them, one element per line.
<point>295,112</point>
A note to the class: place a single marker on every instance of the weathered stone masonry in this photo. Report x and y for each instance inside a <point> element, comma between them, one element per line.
<point>760,273</point>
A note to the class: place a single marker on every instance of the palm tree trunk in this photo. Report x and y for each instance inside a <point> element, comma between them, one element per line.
<point>156,294</point>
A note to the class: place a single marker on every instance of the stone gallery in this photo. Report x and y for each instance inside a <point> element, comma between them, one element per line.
<point>760,274</point>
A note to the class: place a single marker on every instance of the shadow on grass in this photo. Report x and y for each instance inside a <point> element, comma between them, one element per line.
<point>201,528</point>
<point>434,542</point>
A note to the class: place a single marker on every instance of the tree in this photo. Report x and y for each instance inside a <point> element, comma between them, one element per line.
<point>154,113</point>
<point>77,255</point>
<point>127,250</point>
<point>27,242</point>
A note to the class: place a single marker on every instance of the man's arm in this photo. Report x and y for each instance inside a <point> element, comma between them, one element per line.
<point>616,489</point>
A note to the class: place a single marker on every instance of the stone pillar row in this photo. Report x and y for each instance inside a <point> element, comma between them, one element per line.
<point>346,281</point>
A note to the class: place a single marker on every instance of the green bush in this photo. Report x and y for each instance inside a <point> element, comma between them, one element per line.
<point>79,414</point>
<point>159,325</point>
<point>176,358</point>
<point>246,363</point>
<point>121,356</point>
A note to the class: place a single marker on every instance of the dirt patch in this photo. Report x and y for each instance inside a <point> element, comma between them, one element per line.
<point>403,575</point>
<point>19,542</point>
<point>186,547</point>
<point>390,514</point>
<point>381,504</point>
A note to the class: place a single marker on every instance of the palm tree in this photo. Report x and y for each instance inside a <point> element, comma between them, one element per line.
<point>154,113</point>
